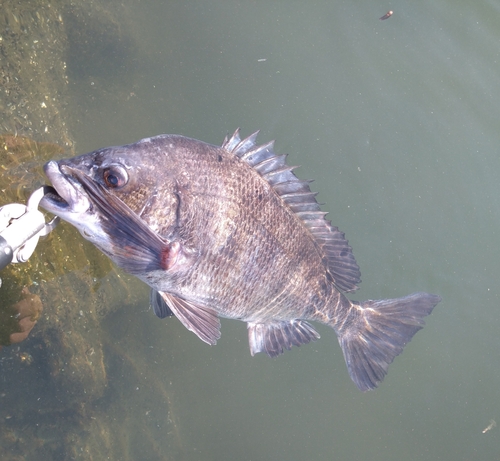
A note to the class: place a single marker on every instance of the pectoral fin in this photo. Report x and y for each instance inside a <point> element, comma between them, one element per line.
<point>272,338</point>
<point>135,246</point>
<point>201,320</point>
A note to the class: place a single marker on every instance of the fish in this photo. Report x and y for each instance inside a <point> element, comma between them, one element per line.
<point>231,232</point>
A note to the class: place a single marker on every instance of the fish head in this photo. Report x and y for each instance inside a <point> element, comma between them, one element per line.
<point>91,190</point>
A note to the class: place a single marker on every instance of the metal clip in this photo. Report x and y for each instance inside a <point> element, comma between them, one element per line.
<point>20,228</point>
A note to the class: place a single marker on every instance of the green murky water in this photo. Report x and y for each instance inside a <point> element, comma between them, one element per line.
<point>397,121</point>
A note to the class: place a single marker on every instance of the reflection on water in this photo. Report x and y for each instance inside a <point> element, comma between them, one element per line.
<point>396,120</point>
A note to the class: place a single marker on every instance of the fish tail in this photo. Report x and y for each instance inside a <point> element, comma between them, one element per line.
<point>373,333</point>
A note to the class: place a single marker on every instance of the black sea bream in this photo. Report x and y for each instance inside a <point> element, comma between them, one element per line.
<point>231,232</point>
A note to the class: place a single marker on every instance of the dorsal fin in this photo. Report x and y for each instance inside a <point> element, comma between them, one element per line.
<point>338,258</point>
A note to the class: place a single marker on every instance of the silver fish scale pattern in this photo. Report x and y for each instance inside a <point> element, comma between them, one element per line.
<point>260,261</point>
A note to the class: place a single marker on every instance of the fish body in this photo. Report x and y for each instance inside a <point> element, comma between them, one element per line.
<point>231,232</point>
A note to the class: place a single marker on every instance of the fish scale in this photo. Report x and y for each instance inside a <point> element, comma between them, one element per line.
<point>231,232</point>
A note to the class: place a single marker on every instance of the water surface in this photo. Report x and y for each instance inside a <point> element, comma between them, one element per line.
<point>397,121</point>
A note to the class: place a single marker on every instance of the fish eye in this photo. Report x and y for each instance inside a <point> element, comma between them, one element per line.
<point>115,176</point>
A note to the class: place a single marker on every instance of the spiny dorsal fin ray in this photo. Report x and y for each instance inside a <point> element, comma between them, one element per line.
<point>296,193</point>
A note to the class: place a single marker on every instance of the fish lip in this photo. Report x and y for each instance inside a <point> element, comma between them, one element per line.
<point>66,196</point>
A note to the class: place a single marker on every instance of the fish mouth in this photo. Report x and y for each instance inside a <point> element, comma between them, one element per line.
<point>66,198</point>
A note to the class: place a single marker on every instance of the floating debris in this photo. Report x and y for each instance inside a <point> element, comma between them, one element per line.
<point>490,426</point>
<point>25,358</point>
<point>387,15</point>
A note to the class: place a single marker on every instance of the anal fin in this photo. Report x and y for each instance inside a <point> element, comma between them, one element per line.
<point>273,338</point>
<point>199,319</point>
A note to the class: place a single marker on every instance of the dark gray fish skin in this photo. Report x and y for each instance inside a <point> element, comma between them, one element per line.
<point>231,232</point>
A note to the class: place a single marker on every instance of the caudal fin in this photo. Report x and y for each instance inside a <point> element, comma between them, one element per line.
<point>375,332</point>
